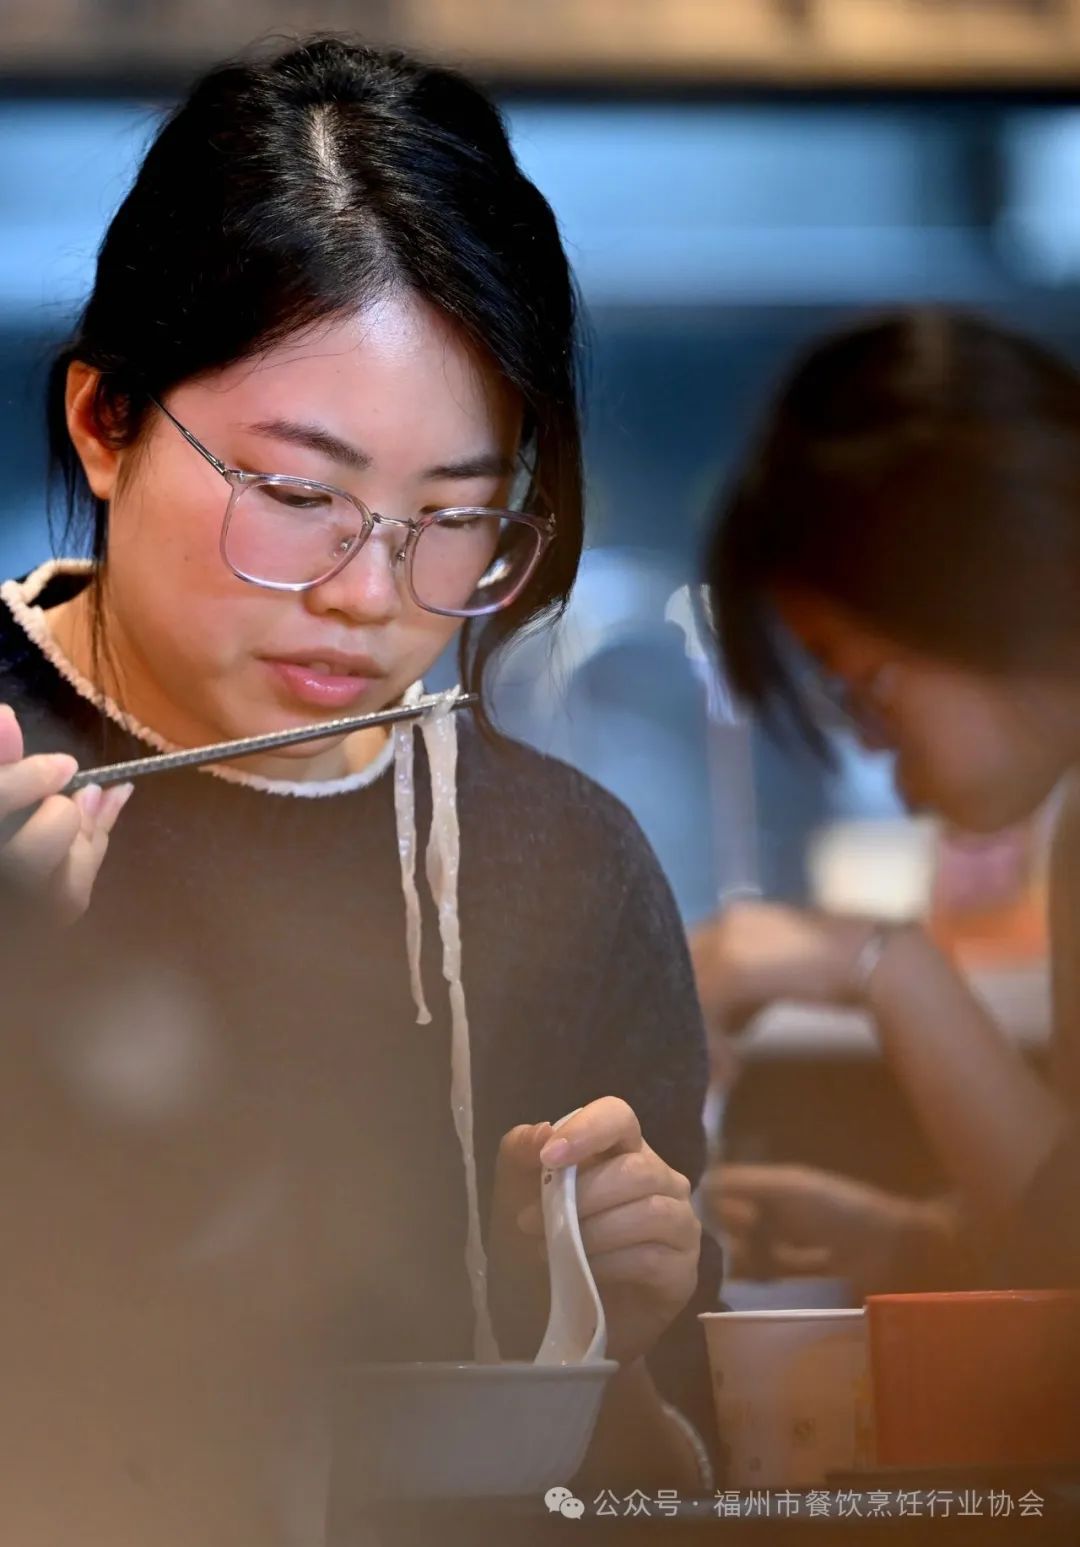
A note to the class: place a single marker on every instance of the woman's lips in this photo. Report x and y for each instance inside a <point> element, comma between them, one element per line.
<point>320,684</point>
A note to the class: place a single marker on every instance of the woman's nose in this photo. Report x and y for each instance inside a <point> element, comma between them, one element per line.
<point>368,589</point>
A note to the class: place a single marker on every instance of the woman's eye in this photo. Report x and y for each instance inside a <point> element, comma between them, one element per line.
<point>455,523</point>
<point>297,498</point>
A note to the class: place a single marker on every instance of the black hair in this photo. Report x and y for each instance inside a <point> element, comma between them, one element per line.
<point>922,469</point>
<point>293,189</point>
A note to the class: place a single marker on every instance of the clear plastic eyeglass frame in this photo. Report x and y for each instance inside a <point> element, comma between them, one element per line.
<point>240,482</point>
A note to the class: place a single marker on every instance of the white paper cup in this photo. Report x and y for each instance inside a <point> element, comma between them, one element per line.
<point>883,868</point>
<point>792,1393</point>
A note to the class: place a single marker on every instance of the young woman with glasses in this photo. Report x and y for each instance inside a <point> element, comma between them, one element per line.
<point>319,422</point>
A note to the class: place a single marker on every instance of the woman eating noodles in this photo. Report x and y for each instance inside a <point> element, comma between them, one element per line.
<point>316,425</point>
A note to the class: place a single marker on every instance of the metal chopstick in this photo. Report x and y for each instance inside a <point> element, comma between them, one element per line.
<point>226,751</point>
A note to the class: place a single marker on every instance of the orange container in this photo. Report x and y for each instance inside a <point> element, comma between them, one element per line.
<point>988,1378</point>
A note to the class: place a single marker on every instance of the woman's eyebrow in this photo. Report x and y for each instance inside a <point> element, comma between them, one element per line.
<point>486,464</point>
<point>315,437</point>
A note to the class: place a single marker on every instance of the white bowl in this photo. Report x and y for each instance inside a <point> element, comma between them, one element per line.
<point>453,1431</point>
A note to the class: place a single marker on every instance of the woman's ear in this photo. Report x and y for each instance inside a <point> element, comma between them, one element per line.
<point>101,462</point>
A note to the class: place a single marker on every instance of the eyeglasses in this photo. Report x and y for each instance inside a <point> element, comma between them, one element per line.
<point>836,707</point>
<point>291,534</point>
<point>828,698</point>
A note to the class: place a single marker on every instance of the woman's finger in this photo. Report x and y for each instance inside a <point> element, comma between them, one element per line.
<point>604,1127</point>
<point>758,1181</point>
<point>34,779</point>
<point>658,1220</point>
<point>11,736</point>
<point>800,1260</point>
<point>113,802</point>
<point>624,1178</point>
<point>626,1187</point>
<point>44,841</point>
<point>75,879</point>
<point>517,1170</point>
<point>742,1259</point>
<point>788,1199</point>
<point>89,802</point>
<point>519,1151</point>
<point>737,1216</point>
<point>650,1266</point>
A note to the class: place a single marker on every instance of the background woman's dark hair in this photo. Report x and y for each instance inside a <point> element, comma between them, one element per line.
<point>292,190</point>
<point>923,470</point>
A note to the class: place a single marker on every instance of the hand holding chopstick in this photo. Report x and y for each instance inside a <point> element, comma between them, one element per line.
<point>50,844</point>
<point>59,847</point>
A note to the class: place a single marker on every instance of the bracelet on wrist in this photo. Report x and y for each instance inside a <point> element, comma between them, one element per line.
<point>868,960</point>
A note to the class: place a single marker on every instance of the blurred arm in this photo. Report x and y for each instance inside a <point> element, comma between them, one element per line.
<point>990,1118</point>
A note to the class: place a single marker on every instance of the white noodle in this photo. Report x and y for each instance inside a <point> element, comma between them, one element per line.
<point>405,811</point>
<point>439,730</point>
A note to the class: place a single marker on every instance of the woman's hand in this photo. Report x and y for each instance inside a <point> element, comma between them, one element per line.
<point>793,1220</point>
<point>638,1225</point>
<point>60,847</point>
<point>756,954</point>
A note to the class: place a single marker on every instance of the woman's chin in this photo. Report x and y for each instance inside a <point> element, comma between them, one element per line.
<point>983,808</point>
<point>964,808</point>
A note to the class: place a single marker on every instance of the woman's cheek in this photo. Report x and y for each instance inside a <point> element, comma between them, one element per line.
<point>419,645</point>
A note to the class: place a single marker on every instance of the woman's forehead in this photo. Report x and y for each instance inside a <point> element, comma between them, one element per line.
<point>396,379</point>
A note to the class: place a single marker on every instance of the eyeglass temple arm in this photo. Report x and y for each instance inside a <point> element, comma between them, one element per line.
<point>224,469</point>
<point>192,440</point>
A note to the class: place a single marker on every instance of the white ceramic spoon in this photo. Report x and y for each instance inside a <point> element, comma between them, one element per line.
<point>576,1330</point>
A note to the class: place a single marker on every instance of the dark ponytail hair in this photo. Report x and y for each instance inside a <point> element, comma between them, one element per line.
<point>922,469</point>
<point>293,190</point>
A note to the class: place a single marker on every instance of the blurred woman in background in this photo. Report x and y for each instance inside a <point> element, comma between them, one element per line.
<point>904,543</point>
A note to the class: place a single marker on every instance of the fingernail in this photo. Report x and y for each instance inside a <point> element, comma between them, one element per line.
<point>530,1221</point>
<point>111,805</point>
<point>7,709</point>
<point>554,1152</point>
<point>89,800</point>
<point>64,765</point>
